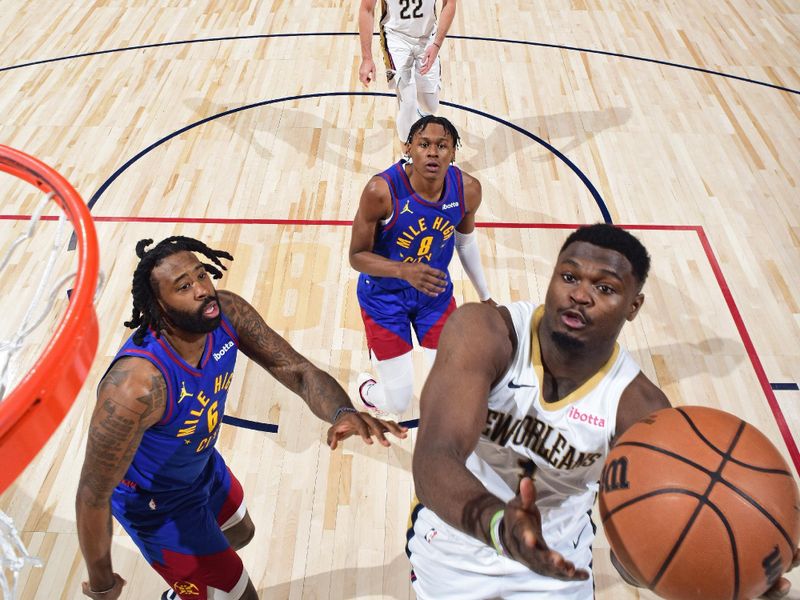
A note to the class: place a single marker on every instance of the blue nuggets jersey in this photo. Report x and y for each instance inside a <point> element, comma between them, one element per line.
<point>174,452</point>
<point>418,230</point>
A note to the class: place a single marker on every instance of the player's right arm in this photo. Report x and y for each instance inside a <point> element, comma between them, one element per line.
<point>475,349</point>
<point>366,19</point>
<point>374,206</point>
<point>131,398</point>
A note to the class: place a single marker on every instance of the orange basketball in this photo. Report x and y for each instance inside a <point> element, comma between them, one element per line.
<point>699,505</point>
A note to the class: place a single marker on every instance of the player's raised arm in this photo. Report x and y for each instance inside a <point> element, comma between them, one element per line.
<point>453,409</point>
<point>131,397</point>
<point>323,394</point>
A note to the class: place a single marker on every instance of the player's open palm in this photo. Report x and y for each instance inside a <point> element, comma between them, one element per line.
<point>522,539</point>
<point>427,280</point>
<point>365,426</point>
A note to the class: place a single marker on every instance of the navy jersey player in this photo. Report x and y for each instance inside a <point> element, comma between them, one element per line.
<point>410,219</point>
<point>150,456</point>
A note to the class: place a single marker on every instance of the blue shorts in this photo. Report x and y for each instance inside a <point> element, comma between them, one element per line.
<point>179,532</point>
<point>389,316</point>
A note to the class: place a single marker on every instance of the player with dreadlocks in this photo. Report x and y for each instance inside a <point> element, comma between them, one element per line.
<point>150,456</point>
<point>410,219</point>
<point>146,314</point>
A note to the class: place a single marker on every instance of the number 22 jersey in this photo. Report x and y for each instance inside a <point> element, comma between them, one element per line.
<point>411,18</point>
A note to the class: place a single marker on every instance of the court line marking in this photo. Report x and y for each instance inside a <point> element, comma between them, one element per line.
<point>451,36</point>
<point>248,424</point>
<point>116,174</point>
<point>777,413</point>
<point>785,387</point>
<point>755,361</point>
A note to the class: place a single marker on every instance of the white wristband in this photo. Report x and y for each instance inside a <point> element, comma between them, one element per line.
<point>470,256</point>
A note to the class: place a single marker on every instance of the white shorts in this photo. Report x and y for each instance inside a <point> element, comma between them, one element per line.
<point>448,564</point>
<point>403,59</point>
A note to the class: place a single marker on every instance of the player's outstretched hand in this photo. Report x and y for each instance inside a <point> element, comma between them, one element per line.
<point>109,594</point>
<point>427,280</point>
<point>782,586</point>
<point>431,52</point>
<point>365,425</point>
<point>366,72</point>
<point>522,540</point>
<point>490,302</point>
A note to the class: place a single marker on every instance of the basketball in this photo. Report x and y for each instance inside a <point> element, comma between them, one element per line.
<point>699,505</point>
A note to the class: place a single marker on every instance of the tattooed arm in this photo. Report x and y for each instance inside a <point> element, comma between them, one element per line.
<point>321,392</point>
<point>131,397</point>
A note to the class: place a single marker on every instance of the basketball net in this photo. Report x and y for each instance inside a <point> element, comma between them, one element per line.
<point>10,347</point>
<point>35,397</point>
<point>13,554</point>
<point>13,557</point>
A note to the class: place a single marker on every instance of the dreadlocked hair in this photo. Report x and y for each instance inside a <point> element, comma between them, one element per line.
<point>146,313</point>
<point>422,123</point>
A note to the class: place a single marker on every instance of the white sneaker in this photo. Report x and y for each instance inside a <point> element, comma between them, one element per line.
<point>170,594</point>
<point>364,381</point>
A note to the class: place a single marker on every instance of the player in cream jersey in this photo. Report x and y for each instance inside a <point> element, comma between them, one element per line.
<point>566,441</point>
<point>517,417</point>
<point>411,36</point>
<point>414,19</point>
<point>562,446</point>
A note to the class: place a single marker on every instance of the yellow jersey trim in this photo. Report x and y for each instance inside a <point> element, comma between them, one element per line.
<point>536,358</point>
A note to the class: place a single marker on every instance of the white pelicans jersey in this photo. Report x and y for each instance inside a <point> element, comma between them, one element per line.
<point>562,445</point>
<point>410,18</point>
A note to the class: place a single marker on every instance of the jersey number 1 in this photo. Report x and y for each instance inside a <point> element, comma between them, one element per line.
<point>416,9</point>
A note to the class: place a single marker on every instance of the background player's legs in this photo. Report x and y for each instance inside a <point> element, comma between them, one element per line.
<point>429,354</point>
<point>400,54</point>
<point>178,550</point>
<point>428,87</point>
<point>428,103</point>
<point>240,534</point>
<point>386,323</point>
<point>394,389</point>
<point>249,593</point>
<point>407,110</point>
<point>429,322</point>
<point>187,568</point>
<point>228,505</point>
